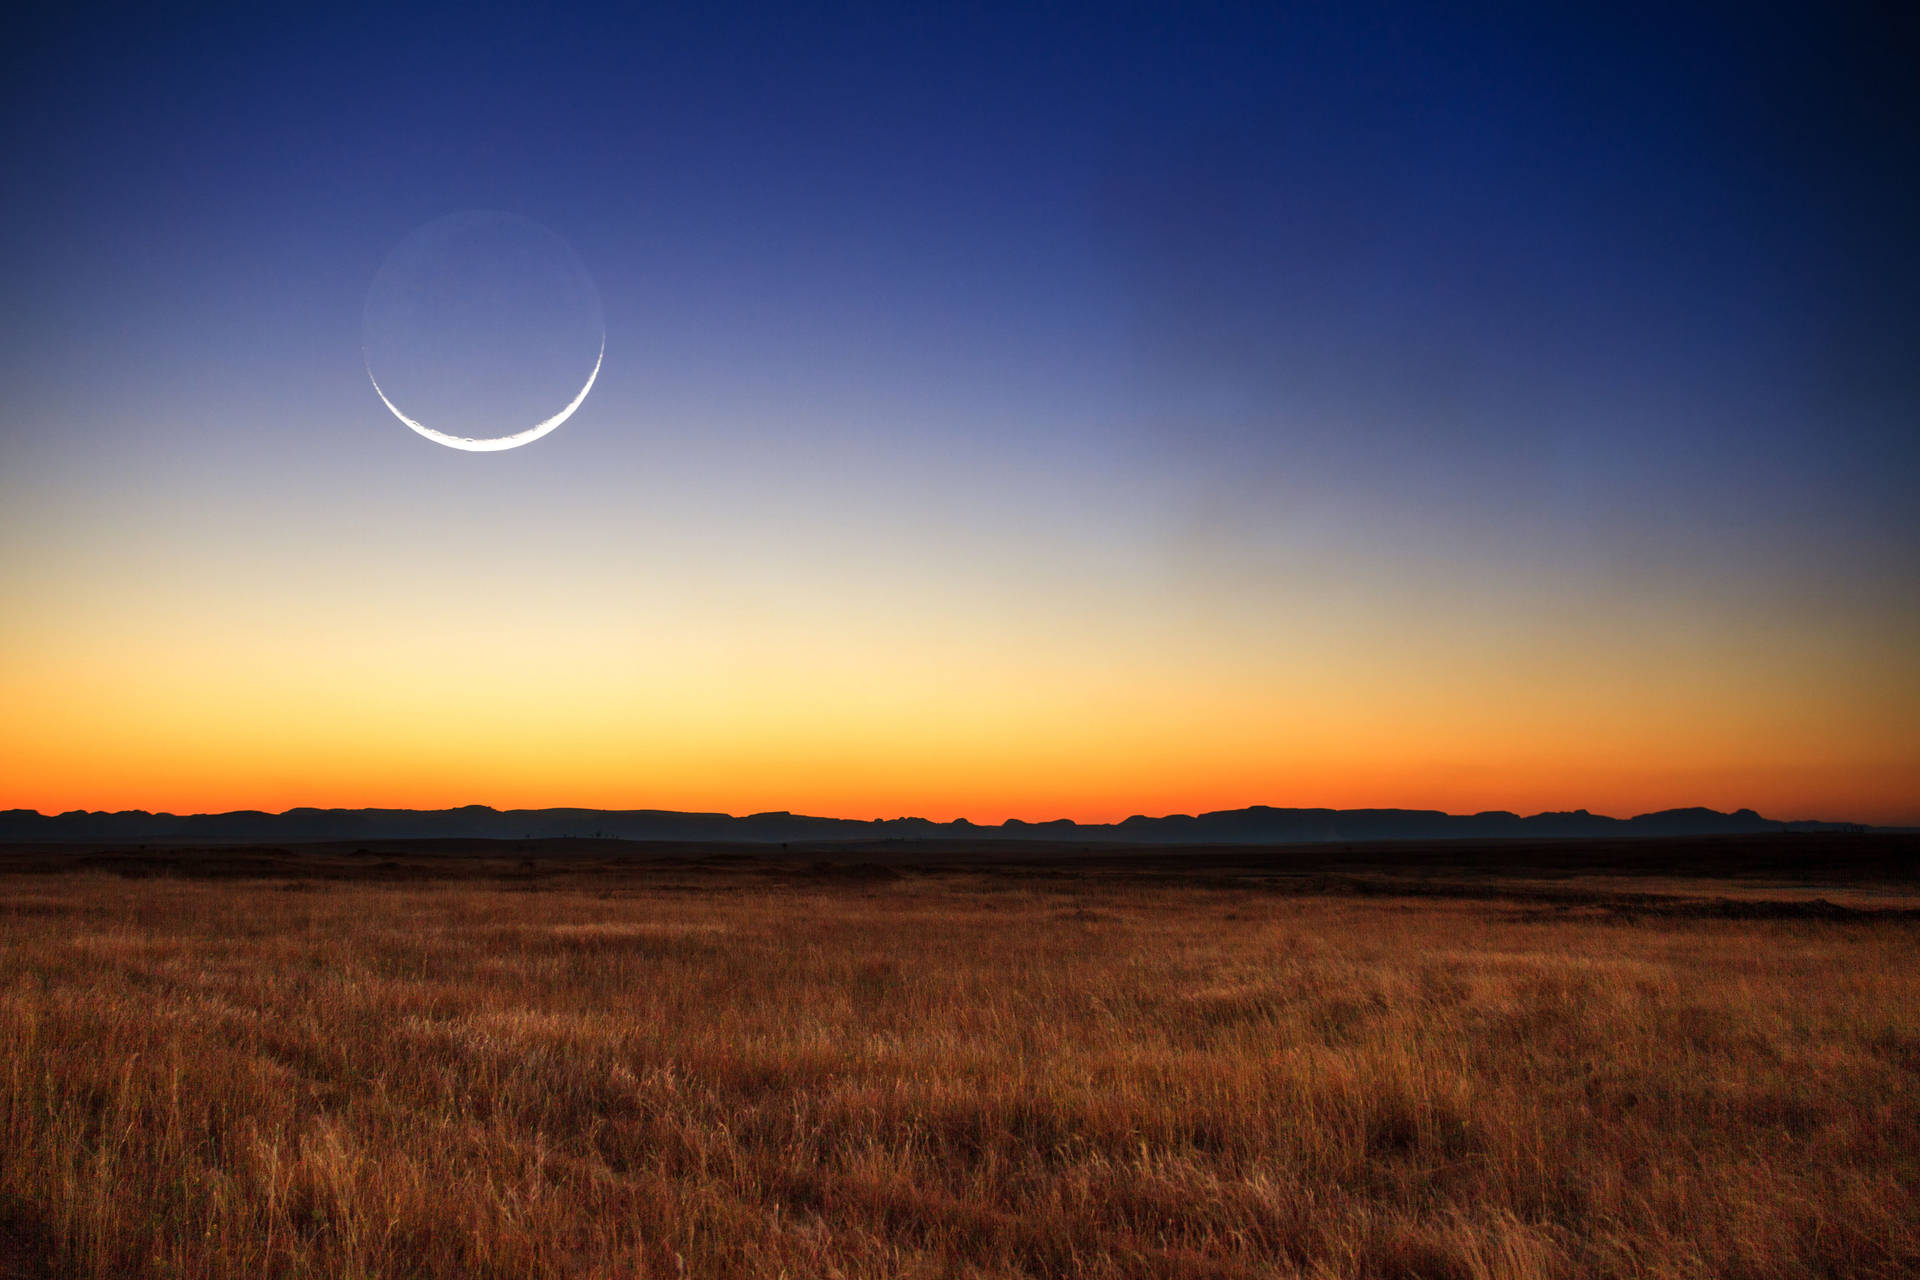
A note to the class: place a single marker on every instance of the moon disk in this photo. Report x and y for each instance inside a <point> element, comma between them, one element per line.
<point>478,324</point>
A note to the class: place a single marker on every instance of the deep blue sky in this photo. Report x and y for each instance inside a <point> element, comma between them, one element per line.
<point>1500,326</point>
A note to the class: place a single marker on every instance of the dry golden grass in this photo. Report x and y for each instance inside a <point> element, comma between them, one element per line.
<point>943,1076</point>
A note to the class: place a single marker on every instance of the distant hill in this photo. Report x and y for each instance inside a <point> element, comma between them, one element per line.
<point>1257,825</point>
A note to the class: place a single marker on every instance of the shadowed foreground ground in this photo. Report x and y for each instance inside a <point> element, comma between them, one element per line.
<point>746,1069</point>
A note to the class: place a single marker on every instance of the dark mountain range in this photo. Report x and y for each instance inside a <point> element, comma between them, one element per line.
<point>1257,825</point>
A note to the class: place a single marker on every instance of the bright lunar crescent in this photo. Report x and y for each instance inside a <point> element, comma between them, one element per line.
<point>480,323</point>
<point>496,443</point>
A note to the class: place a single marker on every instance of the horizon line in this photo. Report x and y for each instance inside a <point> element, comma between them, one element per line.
<point>1740,811</point>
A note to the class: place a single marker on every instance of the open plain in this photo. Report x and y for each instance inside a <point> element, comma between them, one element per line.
<point>1666,1059</point>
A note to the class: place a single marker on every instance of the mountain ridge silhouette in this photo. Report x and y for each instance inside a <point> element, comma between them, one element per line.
<point>1257,824</point>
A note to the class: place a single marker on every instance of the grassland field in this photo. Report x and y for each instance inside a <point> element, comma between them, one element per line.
<point>1696,1061</point>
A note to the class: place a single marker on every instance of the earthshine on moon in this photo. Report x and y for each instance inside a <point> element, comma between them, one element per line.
<point>479,324</point>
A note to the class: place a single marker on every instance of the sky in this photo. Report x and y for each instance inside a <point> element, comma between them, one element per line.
<point>1005,411</point>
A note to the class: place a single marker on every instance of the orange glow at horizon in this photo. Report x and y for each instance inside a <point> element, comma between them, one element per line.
<point>903,716</point>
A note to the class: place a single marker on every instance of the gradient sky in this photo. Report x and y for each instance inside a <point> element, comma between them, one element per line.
<point>1128,409</point>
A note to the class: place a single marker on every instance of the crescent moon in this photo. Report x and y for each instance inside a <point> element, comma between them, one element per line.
<point>496,443</point>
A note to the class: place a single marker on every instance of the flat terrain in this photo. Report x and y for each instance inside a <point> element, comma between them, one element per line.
<point>1674,1058</point>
